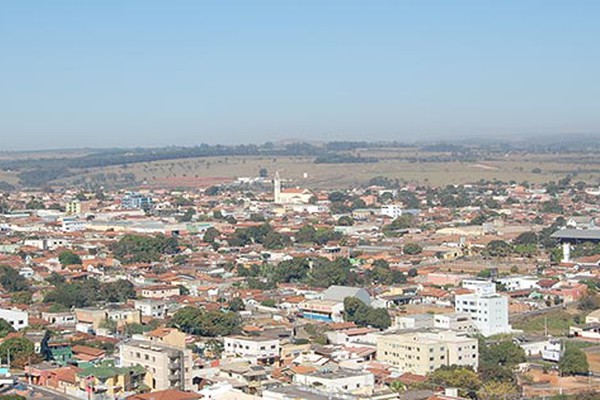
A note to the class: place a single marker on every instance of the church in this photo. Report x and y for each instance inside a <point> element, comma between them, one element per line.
<point>291,195</point>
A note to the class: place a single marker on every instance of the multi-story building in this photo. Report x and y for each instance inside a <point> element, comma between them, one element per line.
<point>487,309</point>
<point>151,307</point>
<point>163,355</point>
<point>423,352</point>
<point>159,291</point>
<point>134,200</point>
<point>257,349</point>
<point>16,318</point>
<point>391,210</point>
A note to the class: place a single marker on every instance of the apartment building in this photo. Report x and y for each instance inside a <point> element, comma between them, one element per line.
<point>168,367</point>
<point>258,350</point>
<point>423,352</point>
<point>487,309</point>
<point>151,307</point>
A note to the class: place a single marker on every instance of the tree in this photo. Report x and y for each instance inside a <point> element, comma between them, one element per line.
<point>345,221</point>
<point>11,280</point>
<point>236,304</point>
<point>573,361</point>
<point>589,302</point>
<point>412,248</point>
<point>210,235</point>
<point>455,376</point>
<point>205,323</point>
<point>55,279</point>
<point>498,248</point>
<point>187,215</point>
<point>364,315</point>
<point>69,258</point>
<point>19,350</point>
<point>401,223</point>
<point>137,248</point>
<point>526,238</point>
<point>5,328</point>
<point>504,353</point>
<point>496,390</point>
<point>306,234</point>
<point>412,272</point>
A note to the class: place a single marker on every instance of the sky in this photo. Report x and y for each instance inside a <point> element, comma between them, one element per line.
<point>117,73</point>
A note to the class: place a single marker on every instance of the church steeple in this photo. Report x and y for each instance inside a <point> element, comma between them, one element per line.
<point>277,188</point>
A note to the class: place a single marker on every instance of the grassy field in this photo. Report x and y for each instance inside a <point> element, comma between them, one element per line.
<point>394,163</point>
<point>558,321</point>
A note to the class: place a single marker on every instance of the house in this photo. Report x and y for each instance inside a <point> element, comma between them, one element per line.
<point>593,317</point>
<point>339,381</point>
<point>101,382</point>
<point>16,318</point>
<point>323,310</point>
<point>581,222</point>
<point>159,291</point>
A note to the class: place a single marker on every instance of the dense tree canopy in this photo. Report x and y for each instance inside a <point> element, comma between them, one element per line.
<point>11,281</point>
<point>363,315</point>
<point>573,361</point>
<point>67,257</point>
<point>137,248</point>
<point>86,293</point>
<point>206,323</point>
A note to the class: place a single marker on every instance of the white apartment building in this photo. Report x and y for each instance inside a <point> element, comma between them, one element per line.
<point>256,349</point>
<point>391,210</point>
<point>16,318</point>
<point>151,307</point>
<point>487,309</point>
<point>423,352</point>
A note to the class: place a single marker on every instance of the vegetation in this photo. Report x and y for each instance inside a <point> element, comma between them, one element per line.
<point>69,258</point>
<point>5,328</point>
<point>11,281</point>
<point>139,249</point>
<point>363,315</point>
<point>573,361</point>
<point>89,292</point>
<point>206,323</point>
<point>21,352</point>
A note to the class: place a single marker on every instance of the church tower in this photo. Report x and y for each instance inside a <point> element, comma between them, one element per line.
<point>277,188</point>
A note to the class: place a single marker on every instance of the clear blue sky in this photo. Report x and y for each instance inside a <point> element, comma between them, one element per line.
<point>153,73</point>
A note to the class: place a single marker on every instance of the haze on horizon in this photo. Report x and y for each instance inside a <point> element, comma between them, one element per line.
<point>155,73</point>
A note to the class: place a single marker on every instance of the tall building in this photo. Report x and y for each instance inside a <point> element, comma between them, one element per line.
<point>423,352</point>
<point>487,309</point>
<point>163,354</point>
